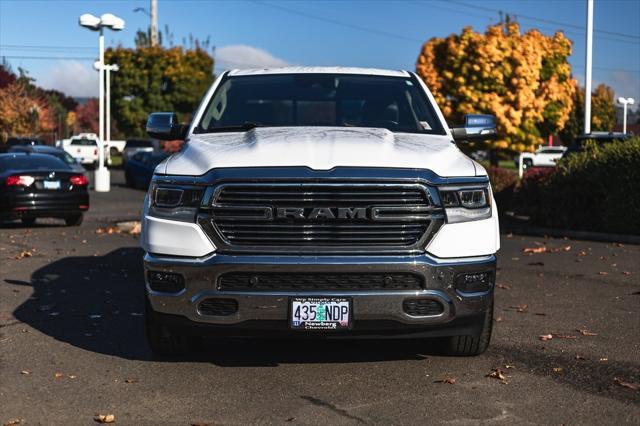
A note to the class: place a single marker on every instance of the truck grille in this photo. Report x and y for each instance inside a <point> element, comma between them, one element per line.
<point>247,281</point>
<point>320,216</point>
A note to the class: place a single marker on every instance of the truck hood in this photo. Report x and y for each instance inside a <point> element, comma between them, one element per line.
<point>319,148</point>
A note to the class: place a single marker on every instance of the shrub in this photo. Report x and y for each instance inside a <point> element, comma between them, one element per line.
<point>503,183</point>
<point>597,189</point>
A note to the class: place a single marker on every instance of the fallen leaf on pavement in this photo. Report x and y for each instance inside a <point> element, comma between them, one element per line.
<point>632,386</point>
<point>108,230</point>
<point>507,366</point>
<point>604,359</point>
<point>71,376</point>
<point>586,332</point>
<point>104,418</point>
<point>131,380</point>
<point>498,374</point>
<point>580,358</point>
<point>520,308</point>
<point>499,319</point>
<point>24,254</point>
<point>13,422</point>
<point>447,380</point>
<point>566,248</point>
<point>535,263</point>
<point>557,369</point>
<point>545,337</point>
<point>25,372</point>
<point>626,273</point>
<point>603,273</point>
<point>540,314</point>
<point>58,375</point>
<point>581,253</point>
<point>503,286</point>
<point>540,249</point>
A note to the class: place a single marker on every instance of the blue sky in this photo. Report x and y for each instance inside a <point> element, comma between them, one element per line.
<point>385,34</point>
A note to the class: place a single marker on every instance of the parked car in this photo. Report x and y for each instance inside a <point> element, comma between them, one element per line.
<point>134,146</point>
<point>320,202</point>
<point>41,185</point>
<point>599,137</point>
<point>56,152</point>
<point>24,140</point>
<point>138,171</point>
<point>84,148</point>
<point>545,156</point>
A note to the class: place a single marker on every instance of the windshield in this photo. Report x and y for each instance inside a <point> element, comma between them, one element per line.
<point>342,100</point>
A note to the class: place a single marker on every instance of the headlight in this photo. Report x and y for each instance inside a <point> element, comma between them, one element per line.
<point>465,204</point>
<point>174,202</point>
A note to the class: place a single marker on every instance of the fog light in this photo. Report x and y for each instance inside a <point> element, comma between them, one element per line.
<point>165,282</point>
<point>476,282</point>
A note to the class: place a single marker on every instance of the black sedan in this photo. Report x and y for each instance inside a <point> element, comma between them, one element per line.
<point>41,185</point>
<point>139,169</point>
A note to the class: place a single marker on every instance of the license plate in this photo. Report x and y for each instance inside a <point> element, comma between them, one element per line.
<point>51,184</point>
<point>320,313</point>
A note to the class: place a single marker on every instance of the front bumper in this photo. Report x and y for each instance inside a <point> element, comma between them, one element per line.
<point>372,310</point>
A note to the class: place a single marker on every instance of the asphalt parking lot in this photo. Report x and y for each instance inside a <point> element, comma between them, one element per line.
<point>566,345</point>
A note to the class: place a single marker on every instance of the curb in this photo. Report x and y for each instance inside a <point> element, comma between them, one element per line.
<point>575,235</point>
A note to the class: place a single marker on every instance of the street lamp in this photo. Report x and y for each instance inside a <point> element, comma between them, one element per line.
<point>108,68</point>
<point>107,20</point>
<point>625,102</point>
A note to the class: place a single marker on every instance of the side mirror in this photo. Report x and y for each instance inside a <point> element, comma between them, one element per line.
<point>476,128</point>
<point>165,126</point>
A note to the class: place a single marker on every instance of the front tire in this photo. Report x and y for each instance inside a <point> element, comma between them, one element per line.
<point>162,339</point>
<point>474,344</point>
<point>75,220</point>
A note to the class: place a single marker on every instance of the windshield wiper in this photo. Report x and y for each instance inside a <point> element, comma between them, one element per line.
<point>247,125</point>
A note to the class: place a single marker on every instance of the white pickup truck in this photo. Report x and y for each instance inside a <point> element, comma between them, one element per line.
<point>320,202</point>
<point>84,147</point>
<point>545,156</point>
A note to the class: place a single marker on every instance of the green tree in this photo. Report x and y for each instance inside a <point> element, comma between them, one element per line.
<point>603,113</point>
<point>156,79</point>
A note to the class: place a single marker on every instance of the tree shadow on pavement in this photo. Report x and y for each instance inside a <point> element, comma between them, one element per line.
<point>97,303</point>
<point>585,374</point>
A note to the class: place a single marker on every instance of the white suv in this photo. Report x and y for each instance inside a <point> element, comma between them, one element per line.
<point>325,202</point>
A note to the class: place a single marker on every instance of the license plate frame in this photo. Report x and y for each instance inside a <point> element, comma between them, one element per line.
<point>53,185</point>
<point>326,325</point>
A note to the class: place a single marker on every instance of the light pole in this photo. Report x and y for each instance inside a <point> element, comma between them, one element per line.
<point>588,70</point>
<point>108,69</point>
<point>625,102</point>
<point>102,178</point>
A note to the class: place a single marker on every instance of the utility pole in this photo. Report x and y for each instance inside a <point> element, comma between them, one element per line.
<point>588,63</point>
<point>154,22</point>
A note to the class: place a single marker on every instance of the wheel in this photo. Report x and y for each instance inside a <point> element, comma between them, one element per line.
<point>75,220</point>
<point>471,345</point>
<point>28,221</point>
<point>162,339</point>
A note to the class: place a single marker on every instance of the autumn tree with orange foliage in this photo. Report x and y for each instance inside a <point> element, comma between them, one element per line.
<point>523,79</point>
<point>23,114</point>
